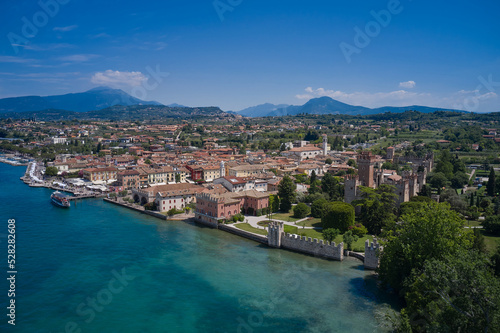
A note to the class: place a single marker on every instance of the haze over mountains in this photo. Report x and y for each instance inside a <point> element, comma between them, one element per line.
<point>94,99</point>
<point>327,105</point>
<point>102,98</point>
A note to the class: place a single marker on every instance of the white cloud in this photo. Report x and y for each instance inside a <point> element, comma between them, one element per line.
<point>67,28</point>
<point>16,60</point>
<point>407,84</point>
<point>79,57</point>
<point>118,79</point>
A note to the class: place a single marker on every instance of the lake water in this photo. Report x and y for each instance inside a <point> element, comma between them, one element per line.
<point>96,267</point>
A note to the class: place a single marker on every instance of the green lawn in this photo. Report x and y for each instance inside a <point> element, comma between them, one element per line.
<point>358,246</point>
<point>248,227</point>
<point>284,217</point>
<point>492,242</point>
<point>311,222</point>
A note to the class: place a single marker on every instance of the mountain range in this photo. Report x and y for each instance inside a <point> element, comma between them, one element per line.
<point>327,105</point>
<point>98,101</point>
<point>94,99</point>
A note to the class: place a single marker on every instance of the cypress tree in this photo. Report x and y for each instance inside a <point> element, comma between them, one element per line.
<point>490,187</point>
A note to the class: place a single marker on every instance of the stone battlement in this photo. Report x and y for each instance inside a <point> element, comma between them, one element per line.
<point>278,239</point>
<point>372,252</point>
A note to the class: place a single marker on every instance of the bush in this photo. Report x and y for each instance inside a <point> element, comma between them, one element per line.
<point>258,212</point>
<point>492,225</point>
<point>338,215</point>
<point>301,210</point>
<point>349,239</point>
<point>330,234</point>
<point>358,230</point>
<point>318,207</point>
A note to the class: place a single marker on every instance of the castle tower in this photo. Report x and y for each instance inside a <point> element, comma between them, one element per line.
<point>366,162</point>
<point>274,233</point>
<point>372,254</point>
<point>222,169</point>
<point>390,153</point>
<point>325,143</point>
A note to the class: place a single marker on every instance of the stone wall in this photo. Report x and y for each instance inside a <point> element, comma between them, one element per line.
<point>278,239</point>
<point>372,254</point>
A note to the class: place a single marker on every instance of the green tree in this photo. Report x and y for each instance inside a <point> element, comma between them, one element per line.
<point>490,186</point>
<point>459,180</point>
<point>455,293</point>
<point>432,231</point>
<point>286,192</point>
<point>51,171</point>
<point>331,186</point>
<point>378,207</point>
<point>330,234</point>
<point>438,180</point>
<point>318,207</point>
<point>349,239</point>
<point>301,210</point>
<point>338,215</point>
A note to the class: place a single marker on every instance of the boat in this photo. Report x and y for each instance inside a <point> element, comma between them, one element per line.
<point>59,199</point>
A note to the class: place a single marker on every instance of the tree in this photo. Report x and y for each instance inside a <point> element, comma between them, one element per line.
<point>349,239</point>
<point>459,180</point>
<point>338,215</point>
<point>330,234</point>
<point>490,186</point>
<point>378,207</point>
<point>51,171</point>
<point>274,203</point>
<point>456,202</point>
<point>318,207</point>
<point>328,161</point>
<point>438,180</point>
<point>286,192</point>
<point>301,210</point>
<point>432,231</point>
<point>313,177</point>
<point>455,293</point>
<point>492,225</point>
<point>331,186</point>
<point>177,177</point>
<point>352,163</point>
<point>479,243</point>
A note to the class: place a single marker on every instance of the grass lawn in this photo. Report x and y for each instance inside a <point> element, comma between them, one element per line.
<point>248,227</point>
<point>470,223</point>
<point>311,222</point>
<point>492,242</point>
<point>284,217</point>
<point>358,246</point>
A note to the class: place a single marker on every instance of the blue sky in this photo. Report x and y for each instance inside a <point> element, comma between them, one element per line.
<point>239,53</point>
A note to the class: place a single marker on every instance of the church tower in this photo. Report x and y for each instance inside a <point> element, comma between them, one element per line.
<point>222,171</point>
<point>325,143</point>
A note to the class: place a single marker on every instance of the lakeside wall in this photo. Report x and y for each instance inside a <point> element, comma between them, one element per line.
<point>277,238</point>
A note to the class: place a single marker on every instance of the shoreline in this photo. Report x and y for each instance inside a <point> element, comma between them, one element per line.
<point>27,179</point>
<point>232,230</point>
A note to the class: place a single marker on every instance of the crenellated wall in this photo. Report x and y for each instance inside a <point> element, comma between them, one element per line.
<point>278,239</point>
<point>372,254</point>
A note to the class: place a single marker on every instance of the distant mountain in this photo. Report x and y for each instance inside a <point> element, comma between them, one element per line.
<point>94,99</point>
<point>175,105</point>
<point>327,105</point>
<point>119,112</point>
<point>261,110</point>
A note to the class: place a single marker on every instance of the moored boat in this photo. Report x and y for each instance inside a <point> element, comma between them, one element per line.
<point>59,199</point>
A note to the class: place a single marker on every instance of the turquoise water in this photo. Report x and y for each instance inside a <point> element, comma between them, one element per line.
<point>173,276</point>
